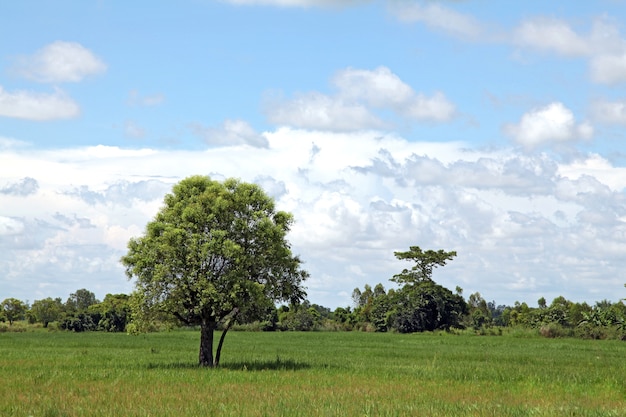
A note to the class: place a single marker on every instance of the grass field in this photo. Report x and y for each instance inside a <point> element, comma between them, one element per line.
<point>310,374</point>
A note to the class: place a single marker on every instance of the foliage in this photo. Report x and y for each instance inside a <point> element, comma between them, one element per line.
<point>47,310</point>
<point>80,301</point>
<point>425,262</point>
<point>113,312</point>
<point>79,322</point>
<point>13,309</point>
<point>426,306</point>
<point>211,253</point>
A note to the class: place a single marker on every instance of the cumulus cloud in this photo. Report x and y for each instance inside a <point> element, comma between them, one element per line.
<point>60,62</point>
<point>230,133</point>
<point>37,106</point>
<point>381,88</point>
<point>514,219</point>
<point>26,186</point>
<point>10,226</point>
<point>319,111</point>
<point>547,125</point>
<point>438,17</point>
<point>122,193</point>
<point>360,95</point>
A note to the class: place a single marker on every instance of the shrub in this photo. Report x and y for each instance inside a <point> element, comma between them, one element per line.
<point>554,330</point>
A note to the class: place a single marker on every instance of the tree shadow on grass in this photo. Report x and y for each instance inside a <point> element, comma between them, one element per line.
<point>277,364</point>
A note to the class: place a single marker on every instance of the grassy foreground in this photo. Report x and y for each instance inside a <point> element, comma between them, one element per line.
<point>310,374</point>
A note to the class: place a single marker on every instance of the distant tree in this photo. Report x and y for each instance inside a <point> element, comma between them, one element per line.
<point>212,250</point>
<point>344,317</point>
<point>542,303</point>
<point>425,262</point>
<point>426,306</point>
<point>14,309</point>
<point>113,312</point>
<point>80,301</point>
<point>479,312</point>
<point>47,310</point>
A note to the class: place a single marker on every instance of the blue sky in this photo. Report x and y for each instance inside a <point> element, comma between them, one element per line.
<point>491,128</point>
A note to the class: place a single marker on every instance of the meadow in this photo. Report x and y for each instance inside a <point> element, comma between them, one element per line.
<point>310,374</point>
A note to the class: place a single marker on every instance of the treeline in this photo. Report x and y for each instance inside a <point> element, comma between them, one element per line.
<point>80,312</point>
<point>416,307</point>
<point>428,306</point>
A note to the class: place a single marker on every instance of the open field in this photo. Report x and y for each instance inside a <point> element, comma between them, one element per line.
<point>310,374</point>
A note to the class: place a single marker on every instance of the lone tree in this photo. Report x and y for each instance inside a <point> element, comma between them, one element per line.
<point>215,250</point>
<point>421,304</point>
<point>425,262</point>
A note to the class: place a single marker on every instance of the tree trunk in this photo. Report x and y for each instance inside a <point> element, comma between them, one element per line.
<point>221,342</point>
<point>206,343</point>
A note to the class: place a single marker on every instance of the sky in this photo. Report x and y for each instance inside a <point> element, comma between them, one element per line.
<point>493,129</point>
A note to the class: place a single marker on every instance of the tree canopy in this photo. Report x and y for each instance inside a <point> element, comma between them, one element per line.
<point>213,251</point>
<point>425,262</point>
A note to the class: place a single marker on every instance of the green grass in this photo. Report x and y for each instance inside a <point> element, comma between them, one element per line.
<point>310,374</point>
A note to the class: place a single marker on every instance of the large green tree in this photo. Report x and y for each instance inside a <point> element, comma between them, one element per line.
<point>212,251</point>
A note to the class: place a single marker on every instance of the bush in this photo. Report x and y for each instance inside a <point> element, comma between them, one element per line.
<point>80,323</point>
<point>15,328</point>
<point>554,330</point>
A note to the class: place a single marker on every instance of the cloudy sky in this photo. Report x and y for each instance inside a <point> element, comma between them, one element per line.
<point>495,129</point>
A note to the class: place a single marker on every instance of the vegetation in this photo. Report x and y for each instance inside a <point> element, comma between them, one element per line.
<point>214,251</point>
<point>311,374</point>
<point>216,256</point>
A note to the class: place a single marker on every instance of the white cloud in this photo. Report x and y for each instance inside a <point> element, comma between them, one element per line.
<point>547,125</point>
<point>10,226</point>
<point>551,35</point>
<point>360,95</point>
<point>230,133</point>
<point>438,17</point>
<point>378,88</point>
<point>60,62</point>
<point>596,167</point>
<point>613,112</point>
<point>23,187</point>
<point>603,45</point>
<point>608,69</point>
<point>319,111</point>
<point>356,197</point>
<point>37,106</point>
<point>381,88</point>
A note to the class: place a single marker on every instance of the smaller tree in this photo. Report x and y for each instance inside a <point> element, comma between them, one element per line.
<point>113,312</point>
<point>80,300</point>
<point>425,262</point>
<point>47,310</point>
<point>14,309</point>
